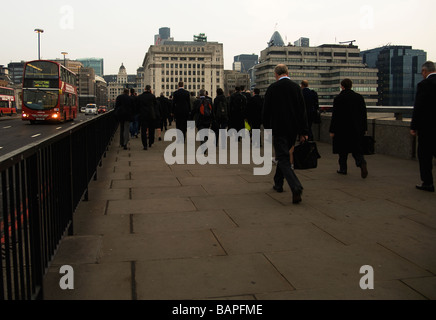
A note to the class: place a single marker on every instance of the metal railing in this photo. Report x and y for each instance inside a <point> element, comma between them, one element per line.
<point>41,186</point>
<point>399,112</point>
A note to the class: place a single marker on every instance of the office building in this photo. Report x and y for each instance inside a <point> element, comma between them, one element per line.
<point>118,83</point>
<point>199,64</point>
<point>399,73</point>
<point>276,40</point>
<point>16,70</point>
<point>233,79</point>
<point>245,62</point>
<point>324,67</point>
<point>164,35</point>
<point>96,63</point>
<point>302,42</point>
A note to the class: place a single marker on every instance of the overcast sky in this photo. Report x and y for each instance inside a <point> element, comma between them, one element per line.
<point>122,31</point>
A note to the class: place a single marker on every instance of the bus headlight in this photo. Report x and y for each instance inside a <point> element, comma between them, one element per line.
<point>55,116</point>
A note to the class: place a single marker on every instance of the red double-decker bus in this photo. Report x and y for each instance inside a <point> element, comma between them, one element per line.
<point>49,92</point>
<point>7,102</point>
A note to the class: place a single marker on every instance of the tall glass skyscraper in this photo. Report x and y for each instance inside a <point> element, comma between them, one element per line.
<point>399,73</point>
<point>245,62</point>
<point>95,63</point>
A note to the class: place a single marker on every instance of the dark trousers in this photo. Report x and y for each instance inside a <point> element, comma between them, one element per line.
<point>426,152</point>
<point>144,126</point>
<point>282,146</point>
<point>182,125</point>
<point>124,132</point>
<point>343,159</point>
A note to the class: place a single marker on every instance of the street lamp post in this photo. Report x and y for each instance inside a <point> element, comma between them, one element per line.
<point>39,31</point>
<point>64,53</point>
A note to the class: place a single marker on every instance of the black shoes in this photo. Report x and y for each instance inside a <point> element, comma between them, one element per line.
<point>278,189</point>
<point>296,196</point>
<point>364,171</point>
<point>423,187</point>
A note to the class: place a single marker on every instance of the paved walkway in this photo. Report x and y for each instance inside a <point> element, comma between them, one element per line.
<point>151,232</point>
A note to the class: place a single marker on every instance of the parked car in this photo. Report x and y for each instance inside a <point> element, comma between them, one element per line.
<point>91,109</point>
<point>102,109</point>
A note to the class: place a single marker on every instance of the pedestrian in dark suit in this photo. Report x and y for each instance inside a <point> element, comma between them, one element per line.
<point>182,109</point>
<point>147,103</point>
<point>312,105</point>
<point>238,105</point>
<point>164,103</point>
<point>424,125</point>
<point>348,127</point>
<point>254,112</point>
<point>124,113</point>
<point>285,113</point>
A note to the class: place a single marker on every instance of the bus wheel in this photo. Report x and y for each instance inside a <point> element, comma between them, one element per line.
<point>32,121</point>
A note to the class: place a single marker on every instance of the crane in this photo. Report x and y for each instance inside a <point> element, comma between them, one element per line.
<point>349,42</point>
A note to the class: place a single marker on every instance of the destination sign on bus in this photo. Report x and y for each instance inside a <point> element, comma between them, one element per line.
<point>41,84</point>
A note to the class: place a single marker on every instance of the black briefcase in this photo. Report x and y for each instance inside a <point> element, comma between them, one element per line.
<point>306,156</point>
<point>368,145</point>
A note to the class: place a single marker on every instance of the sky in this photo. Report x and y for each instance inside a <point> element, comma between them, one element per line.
<point>122,32</point>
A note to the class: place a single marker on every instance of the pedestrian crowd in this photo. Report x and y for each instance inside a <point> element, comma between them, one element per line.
<point>289,110</point>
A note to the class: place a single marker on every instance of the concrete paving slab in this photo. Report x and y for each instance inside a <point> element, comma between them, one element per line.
<point>79,250</point>
<point>237,188</point>
<point>272,238</point>
<point>95,192</point>
<point>93,207</point>
<point>146,181</point>
<point>223,180</point>
<point>210,171</point>
<point>385,290</point>
<point>150,206</point>
<point>109,281</point>
<point>160,246</point>
<point>280,216</point>
<point>223,233</point>
<point>336,265</point>
<point>101,225</point>
<point>207,278</point>
<point>254,200</point>
<point>151,192</point>
<point>425,286</point>
<point>181,221</point>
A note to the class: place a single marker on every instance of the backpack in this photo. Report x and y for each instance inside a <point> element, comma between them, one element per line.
<point>205,109</point>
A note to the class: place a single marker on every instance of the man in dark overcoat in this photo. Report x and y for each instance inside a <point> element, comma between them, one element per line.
<point>124,113</point>
<point>424,125</point>
<point>285,113</point>
<point>348,127</point>
<point>182,109</point>
<point>147,103</point>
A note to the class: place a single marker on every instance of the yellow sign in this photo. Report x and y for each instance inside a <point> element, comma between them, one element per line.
<point>41,84</point>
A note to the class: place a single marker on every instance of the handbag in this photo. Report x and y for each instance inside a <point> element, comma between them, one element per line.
<point>306,156</point>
